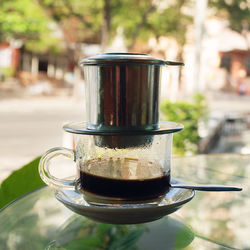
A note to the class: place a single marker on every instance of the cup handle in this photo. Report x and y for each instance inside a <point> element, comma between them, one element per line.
<point>44,168</point>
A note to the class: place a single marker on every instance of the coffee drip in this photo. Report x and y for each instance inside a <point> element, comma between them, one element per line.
<point>127,153</point>
<point>122,151</point>
<point>122,99</point>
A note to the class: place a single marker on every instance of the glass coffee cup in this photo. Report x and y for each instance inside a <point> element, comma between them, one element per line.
<point>131,173</point>
<point>122,151</point>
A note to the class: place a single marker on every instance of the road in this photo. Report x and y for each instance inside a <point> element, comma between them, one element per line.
<point>30,126</point>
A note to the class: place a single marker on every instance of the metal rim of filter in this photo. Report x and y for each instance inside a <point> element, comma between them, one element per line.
<point>82,128</point>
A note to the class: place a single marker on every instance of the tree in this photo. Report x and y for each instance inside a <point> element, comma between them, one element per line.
<point>25,21</point>
<point>151,18</point>
<point>92,21</point>
<point>236,11</point>
<point>98,20</point>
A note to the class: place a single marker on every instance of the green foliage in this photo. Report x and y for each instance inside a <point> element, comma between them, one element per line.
<point>236,11</point>
<point>150,19</point>
<point>83,21</point>
<point>21,18</point>
<point>82,233</point>
<point>80,21</point>
<point>170,22</point>
<point>128,240</point>
<point>20,182</point>
<point>25,20</point>
<point>44,44</point>
<point>184,237</point>
<point>8,71</point>
<point>188,114</point>
<point>86,243</point>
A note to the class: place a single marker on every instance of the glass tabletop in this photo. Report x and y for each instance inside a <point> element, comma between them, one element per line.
<point>212,220</point>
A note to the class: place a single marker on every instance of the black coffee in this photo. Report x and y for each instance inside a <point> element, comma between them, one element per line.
<point>130,189</point>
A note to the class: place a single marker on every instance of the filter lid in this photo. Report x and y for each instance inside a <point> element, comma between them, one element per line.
<point>126,58</point>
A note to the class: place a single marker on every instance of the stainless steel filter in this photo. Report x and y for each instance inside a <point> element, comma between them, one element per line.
<point>122,95</point>
<point>122,91</point>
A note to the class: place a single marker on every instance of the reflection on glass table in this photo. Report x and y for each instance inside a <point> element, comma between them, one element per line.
<point>209,221</point>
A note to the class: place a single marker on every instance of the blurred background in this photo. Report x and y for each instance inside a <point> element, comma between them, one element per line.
<point>41,85</point>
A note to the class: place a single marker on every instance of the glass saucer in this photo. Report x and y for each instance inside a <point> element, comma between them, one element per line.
<point>126,213</point>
